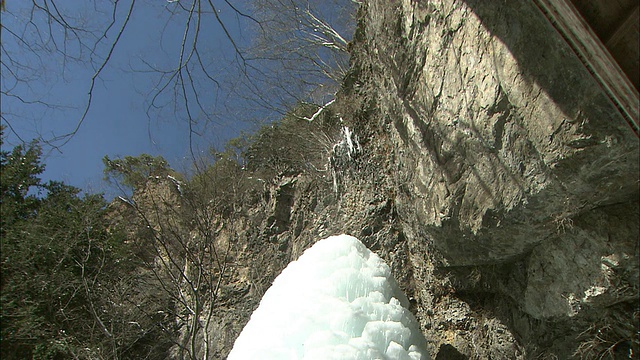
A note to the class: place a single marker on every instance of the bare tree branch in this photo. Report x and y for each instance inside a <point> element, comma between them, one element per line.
<point>67,137</point>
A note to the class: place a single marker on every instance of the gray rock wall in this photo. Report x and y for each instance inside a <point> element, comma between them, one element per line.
<point>501,131</point>
<point>515,174</point>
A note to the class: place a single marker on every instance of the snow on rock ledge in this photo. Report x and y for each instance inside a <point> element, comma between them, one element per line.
<point>337,301</point>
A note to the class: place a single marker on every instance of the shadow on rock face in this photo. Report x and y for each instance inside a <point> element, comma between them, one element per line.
<point>448,352</point>
<point>551,61</point>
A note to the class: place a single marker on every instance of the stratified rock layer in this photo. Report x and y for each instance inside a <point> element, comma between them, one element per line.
<point>508,158</point>
<point>501,133</point>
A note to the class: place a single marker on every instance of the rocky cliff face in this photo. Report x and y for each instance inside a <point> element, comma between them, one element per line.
<point>508,159</point>
<point>491,172</point>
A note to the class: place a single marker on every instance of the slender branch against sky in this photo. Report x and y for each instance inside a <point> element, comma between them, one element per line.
<point>206,66</point>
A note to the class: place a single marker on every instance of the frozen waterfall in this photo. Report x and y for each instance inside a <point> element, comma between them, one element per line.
<point>337,301</point>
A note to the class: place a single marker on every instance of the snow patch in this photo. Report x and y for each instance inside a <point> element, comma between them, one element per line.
<point>593,292</point>
<point>126,201</point>
<point>176,183</point>
<point>343,153</point>
<point>337,301</point>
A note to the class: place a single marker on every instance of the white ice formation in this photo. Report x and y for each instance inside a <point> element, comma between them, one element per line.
<point>337,301</point>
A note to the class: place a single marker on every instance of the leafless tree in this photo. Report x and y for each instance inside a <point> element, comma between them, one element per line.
<point>300,52</point>
<point>43,41</point>
<point>297,52</point>
<point>191,234</point>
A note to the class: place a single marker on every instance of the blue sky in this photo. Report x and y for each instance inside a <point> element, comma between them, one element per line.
<point>117,123</point>
<point>121,120</point>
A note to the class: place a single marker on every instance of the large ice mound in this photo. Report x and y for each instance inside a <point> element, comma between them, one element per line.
<point>337,301</point>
